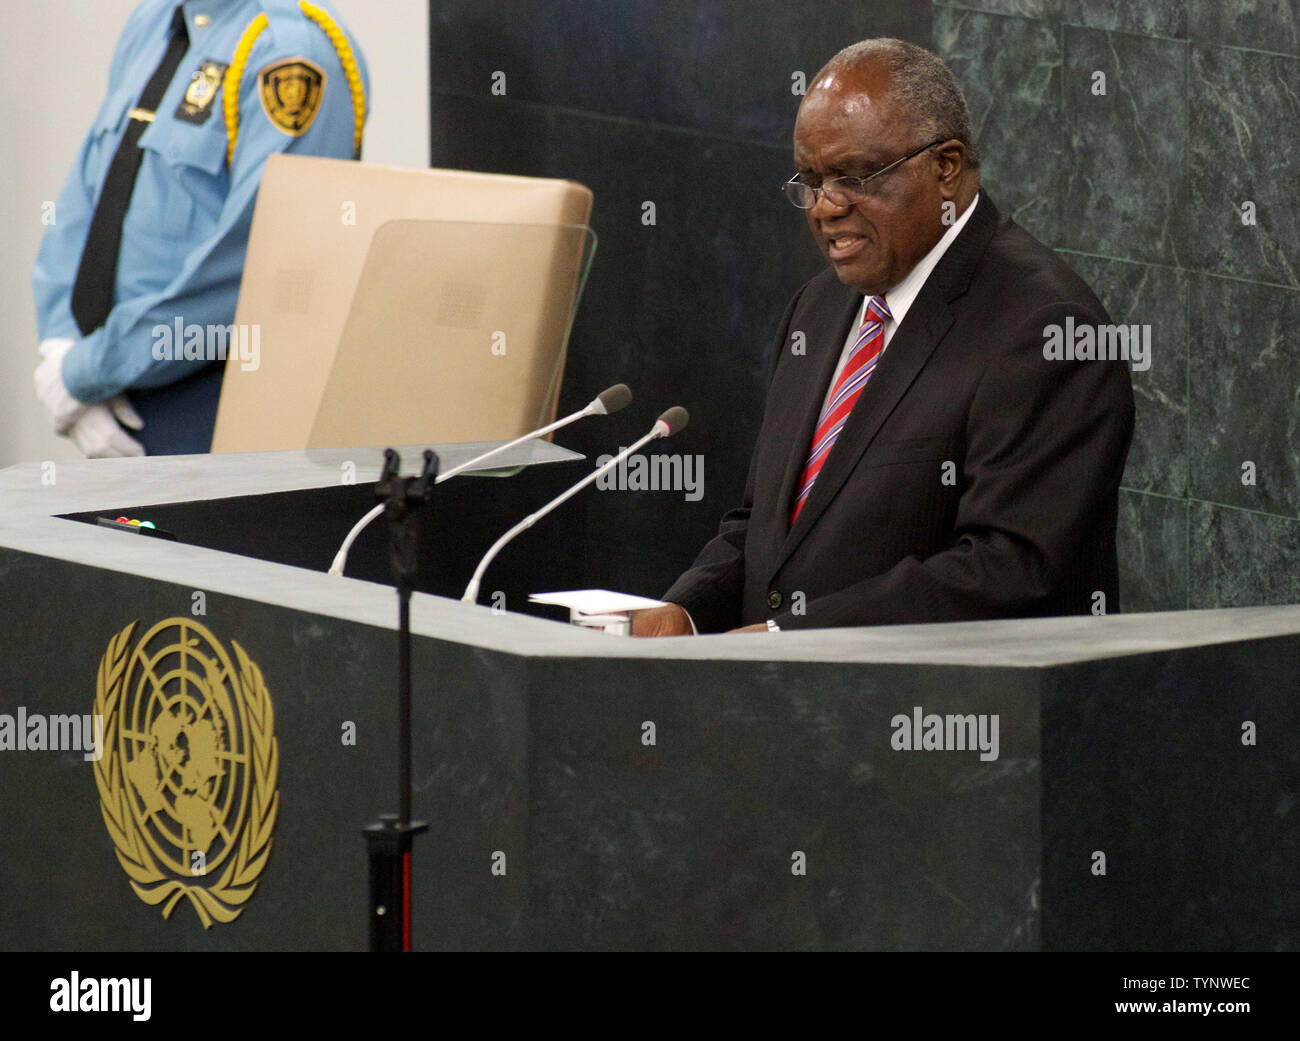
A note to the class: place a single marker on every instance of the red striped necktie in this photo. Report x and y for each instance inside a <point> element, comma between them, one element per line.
<point>848,388</point>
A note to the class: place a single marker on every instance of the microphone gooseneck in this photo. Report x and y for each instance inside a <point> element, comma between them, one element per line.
<point>606,403</point>
<point>671,422</point>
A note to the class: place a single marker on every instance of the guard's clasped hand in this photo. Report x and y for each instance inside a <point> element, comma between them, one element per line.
<point>96,430</point>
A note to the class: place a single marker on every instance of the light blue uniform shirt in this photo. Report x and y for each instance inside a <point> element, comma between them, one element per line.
<point>186,230</point>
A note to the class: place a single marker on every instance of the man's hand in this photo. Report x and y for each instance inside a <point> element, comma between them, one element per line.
<point>94,429</point>
<point>757,627</point>
<point>669,620</point>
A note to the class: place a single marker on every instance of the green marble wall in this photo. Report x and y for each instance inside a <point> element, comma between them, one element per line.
<point>1143,191</point>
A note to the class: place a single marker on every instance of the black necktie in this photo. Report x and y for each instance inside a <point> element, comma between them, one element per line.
<point>92,293</point>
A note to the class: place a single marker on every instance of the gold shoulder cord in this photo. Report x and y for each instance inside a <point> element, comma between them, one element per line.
<point>349,63</point>
<point>235,75</point>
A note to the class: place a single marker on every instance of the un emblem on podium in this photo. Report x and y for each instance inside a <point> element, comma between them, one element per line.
<point>187,779</point>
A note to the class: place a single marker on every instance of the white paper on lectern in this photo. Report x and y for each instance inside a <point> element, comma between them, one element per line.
<point>595,601</point>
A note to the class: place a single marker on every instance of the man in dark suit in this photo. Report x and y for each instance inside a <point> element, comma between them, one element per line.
<point>922,456</point>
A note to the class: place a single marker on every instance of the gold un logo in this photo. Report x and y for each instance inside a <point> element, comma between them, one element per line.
<point>187,781</point>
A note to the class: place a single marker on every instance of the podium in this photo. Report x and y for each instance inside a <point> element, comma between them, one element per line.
<point>586,791</point>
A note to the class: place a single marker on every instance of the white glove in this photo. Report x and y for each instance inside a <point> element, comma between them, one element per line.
<point>97,433</point>
<point>93,428</point>
<point>63,408</point>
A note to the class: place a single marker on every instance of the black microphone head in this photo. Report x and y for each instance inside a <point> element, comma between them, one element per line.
<point>675,419</point>
<point>614,398</point>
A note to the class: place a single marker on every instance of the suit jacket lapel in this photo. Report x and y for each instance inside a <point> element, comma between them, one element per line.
<point>925,324</point>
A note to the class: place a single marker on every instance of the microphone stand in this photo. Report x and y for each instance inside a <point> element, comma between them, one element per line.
<point>389,839</point>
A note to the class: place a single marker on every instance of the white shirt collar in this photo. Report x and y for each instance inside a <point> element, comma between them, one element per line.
<point>899,299</point>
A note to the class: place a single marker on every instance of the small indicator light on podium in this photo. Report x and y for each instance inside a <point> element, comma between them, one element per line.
<point>139,527</point>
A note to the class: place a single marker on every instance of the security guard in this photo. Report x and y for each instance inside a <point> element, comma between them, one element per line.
<point>153,223</point>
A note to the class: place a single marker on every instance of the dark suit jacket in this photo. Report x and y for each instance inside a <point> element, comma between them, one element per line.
<point>1025,525</point>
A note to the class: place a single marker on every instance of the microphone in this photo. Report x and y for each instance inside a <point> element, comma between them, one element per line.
<point>606,403</point>
<point>671,422</point>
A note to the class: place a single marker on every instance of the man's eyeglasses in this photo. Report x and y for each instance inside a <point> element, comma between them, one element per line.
<point>843,191</point>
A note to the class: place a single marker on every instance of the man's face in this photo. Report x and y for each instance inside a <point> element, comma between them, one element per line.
<point>846,127</point>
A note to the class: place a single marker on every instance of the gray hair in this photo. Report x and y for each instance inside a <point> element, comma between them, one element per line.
<point>923,88</point>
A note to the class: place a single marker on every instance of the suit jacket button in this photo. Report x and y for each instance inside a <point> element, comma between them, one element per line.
<point>773,599</point>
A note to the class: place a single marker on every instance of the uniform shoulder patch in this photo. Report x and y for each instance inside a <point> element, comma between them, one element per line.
<point>205,84</point>
<point>291,92</point>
